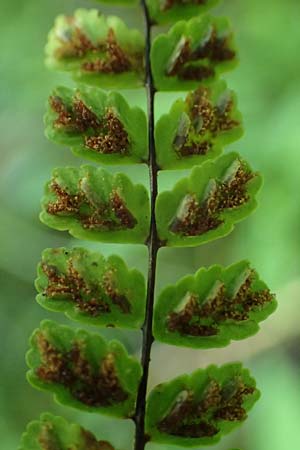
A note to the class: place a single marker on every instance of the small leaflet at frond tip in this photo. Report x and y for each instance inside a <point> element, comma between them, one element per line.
<point>197,129</point>
<point>94,204</point>
<point>97,50</point>
<point>82,370</point>
<point>55,433</point>
<point>170,11</point>
<point>213,307</point>
<point>192,52</point>
<point>206,205</point>
<point>198,409</point>
<point>96,125</point>
<point>90,288</point>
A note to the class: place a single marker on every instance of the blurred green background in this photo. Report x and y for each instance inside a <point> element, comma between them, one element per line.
<point>268,87</point>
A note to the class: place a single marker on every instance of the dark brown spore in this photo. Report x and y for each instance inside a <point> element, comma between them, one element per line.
<point>106,135</point>
<point>92,386</point>
<point>181,322</point>
<point>113,138</point>
<point>76,45</point>
<point>195,220</point>
<point>193,418</point>
<point>112,291</point>
<point>122,213</point>
<point>186,63</point>
<point>90,298</point>
<point>199,218</point>
<point>115,59</point>
<point>113,215</point>
<point>207,121</point>
<point>204,319</point>
<point>91,443</point>
<point>216,49</point>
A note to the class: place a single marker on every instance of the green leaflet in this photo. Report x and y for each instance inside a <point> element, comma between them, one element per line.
<point>197,409</point>
<point>170,11</point>
<point>93,204</point>
<point>90,288</point>
<point>206,205</point>
<point>55,433</point>
<point>212,307</point>
<point>96,50</point>
<point>82,370</point>
<point>192,52</point>
<point>96,125</point>
<point>196,129</point>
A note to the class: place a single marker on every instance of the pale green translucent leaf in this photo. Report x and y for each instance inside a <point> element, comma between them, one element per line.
<point>97,125</point>
<point>82,370</point>
<point>90,288</point>
<point>197,409</point>
<point>212,307</point>
<point>192,52</point>
<point>94,204</point>
<point>206,205</point>
<point>170,11</point>
<point>96,49</point>
<point>55,433</point>
<point>196,129</point>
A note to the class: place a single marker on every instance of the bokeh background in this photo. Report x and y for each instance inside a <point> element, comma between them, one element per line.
<point>268,87</point>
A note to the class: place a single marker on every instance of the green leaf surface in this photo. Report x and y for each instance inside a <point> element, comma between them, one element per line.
<point>90,288</point>
<point>212,307</point>
<point>55,433</point>
<point>197,409</point>
<point>206,205</point>
<point>82,370</point>
<point>96,50</point>
<point>196,129</point>
<point>192,52</point>
<point>91,203</point>
<point>97,125</point>
<point>170,11</point>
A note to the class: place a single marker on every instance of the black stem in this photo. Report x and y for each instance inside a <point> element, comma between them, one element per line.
<point>153,244</point>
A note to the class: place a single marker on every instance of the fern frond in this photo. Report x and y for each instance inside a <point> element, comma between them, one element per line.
<point>170,11</point>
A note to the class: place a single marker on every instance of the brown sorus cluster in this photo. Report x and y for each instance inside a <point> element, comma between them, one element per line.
<point>92,386</point>
<point>49,440</point>
<point>115,60</point>
<point>106,135</point>
<point>205,119</point>
<point>198,218</point>
<point>113,139</point>
<point>168,4</point>
<point>113,215</point>
<point>92,299</point>
<point>194,418</point>
<point>204,319</point>
<point>110,57</point>
<point>185,61</point>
